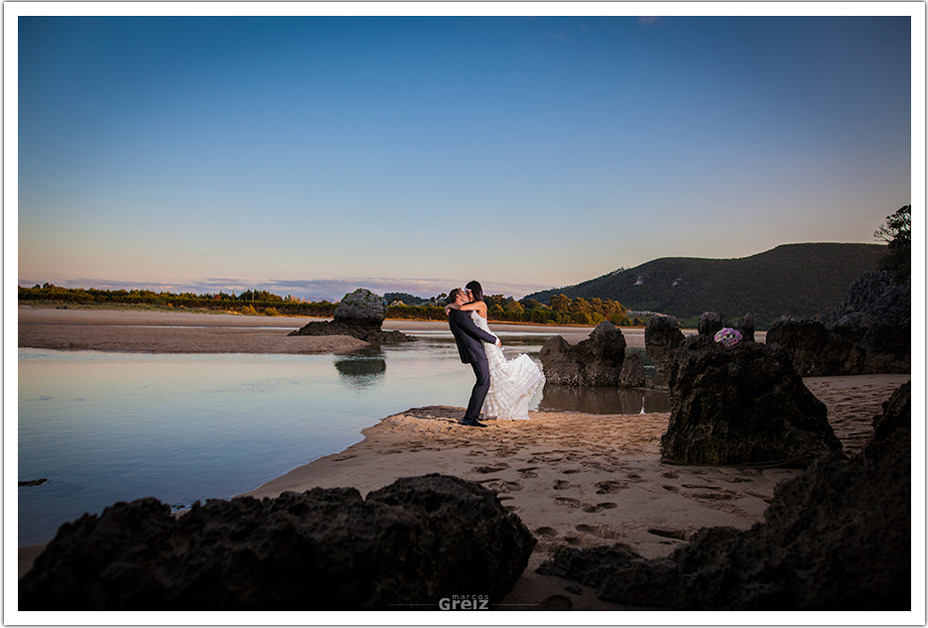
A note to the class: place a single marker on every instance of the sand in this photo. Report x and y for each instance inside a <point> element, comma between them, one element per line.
<point>574,479</point>
<point>158,331</point>
<point>581,479</point>
<point>170,332</point>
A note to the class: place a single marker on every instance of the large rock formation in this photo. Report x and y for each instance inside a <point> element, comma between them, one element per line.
<point>742,405</point>
<point>632,374</point>
<point>359,314</point>
<point>406,546</point>
<point>663,340</point>
<point>837,537</point>
<point>595,361</point>
<point>869,333</point>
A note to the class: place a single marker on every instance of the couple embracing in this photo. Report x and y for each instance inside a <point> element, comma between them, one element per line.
<point>504,387</point>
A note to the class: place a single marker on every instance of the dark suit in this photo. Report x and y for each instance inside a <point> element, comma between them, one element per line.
<point>468,336</point>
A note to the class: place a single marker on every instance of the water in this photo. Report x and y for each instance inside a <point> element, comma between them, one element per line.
<point>107,427</point>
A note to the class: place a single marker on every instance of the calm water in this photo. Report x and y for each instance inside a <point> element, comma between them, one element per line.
<point>107,427</point>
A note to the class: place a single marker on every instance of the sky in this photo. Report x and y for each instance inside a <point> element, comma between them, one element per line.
<point>314,155</point>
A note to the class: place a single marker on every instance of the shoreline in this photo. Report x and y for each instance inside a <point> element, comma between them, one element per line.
<point>579,479</point>
<point>156,331</point>
<point>574,479</point>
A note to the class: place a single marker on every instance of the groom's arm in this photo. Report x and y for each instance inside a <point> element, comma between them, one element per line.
<point>467,325</point>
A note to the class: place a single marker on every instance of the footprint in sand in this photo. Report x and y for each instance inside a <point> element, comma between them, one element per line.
<point>560,485</point>
<point>670,474</point>
<point>546,531</point>
<point>599,507</point>
<point>527,472</point>
<point>512,508</point>
<point>502,486</point>
<point>569,471</point>
<point>568,501</point>
<point>601,531</point>
<point>672,489</point>
<point>609,486</point>
<point>499,466</point>
<point>678,535</point>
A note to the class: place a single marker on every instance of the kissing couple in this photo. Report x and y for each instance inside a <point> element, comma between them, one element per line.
<point>504,387</point>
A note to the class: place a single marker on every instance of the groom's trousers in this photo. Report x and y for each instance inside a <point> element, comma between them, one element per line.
<point>479,393</point>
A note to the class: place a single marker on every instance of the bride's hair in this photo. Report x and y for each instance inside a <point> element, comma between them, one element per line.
<point>475,287</point>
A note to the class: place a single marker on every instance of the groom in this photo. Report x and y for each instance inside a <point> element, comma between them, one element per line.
<point>468,336</point>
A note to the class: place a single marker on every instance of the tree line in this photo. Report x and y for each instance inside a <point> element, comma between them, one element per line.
<point>562,310</point>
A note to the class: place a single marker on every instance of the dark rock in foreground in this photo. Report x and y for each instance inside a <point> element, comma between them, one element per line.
<point>742,405</point>
<point>595,361</point>
<point>359,314</point>
<point>405,547</point>
<point>837,537</point>
<point>869,333</point>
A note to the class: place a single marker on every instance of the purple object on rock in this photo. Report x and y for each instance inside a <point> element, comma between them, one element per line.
<point>728,337</point>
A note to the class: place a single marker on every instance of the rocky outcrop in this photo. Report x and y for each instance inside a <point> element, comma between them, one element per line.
<point>745,325</point>
<point>742,405</point>
<point>663,340</point>
<point>595,361</point>
<point>710,323</point>
<point>405,546</point>
<point>869,333</point>
<point>359,314</point>
<point>837,537</point>
<point>632,374</point>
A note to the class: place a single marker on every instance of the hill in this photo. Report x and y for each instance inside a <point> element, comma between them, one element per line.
<point>795,279</point>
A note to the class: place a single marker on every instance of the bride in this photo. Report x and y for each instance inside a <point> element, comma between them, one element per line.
<point>512,382</point>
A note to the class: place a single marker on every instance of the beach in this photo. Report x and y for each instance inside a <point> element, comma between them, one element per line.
<point>574,479</point>
<point>581,479</point>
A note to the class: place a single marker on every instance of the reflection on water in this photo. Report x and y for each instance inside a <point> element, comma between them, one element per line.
<point>363,369</point>
<point>603,400</point>
<point>106,427</point>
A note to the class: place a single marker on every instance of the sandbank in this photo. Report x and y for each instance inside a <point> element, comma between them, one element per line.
<point>158,331</point>
<point>171,332</point>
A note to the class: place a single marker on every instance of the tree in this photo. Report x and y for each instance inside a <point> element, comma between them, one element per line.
<point>560,303</point>
<point>897,233</point>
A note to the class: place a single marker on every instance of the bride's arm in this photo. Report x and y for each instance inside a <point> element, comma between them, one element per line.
<point>479,306</point>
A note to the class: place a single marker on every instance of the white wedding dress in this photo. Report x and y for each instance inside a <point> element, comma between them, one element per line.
<point>512,382</point>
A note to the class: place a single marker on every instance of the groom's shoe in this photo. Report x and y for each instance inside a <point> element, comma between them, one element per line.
<point>472,423</point>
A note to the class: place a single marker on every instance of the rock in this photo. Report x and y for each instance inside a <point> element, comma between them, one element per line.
<point>836,537</point>
<point>709,323</point>
<point>869,333</point>
<point>361,307</point>
<point>413,542</point>
<point>742,405</point>
<point>745,325</point>
<point>663,340</point>
<point>359,314</point>
<point>878,294</point>
<point>632,374</point>
<point>595,361</point>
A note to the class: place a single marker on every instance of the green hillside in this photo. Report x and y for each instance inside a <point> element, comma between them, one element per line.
<point>796,279</point>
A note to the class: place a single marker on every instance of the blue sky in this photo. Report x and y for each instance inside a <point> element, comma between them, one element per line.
<point>313,155</point>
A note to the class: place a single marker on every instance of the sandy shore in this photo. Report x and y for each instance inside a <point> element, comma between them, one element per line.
<point>169,332</point>
<point>157,331</point>
<point>195,332</point>
<point>581,479</point>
